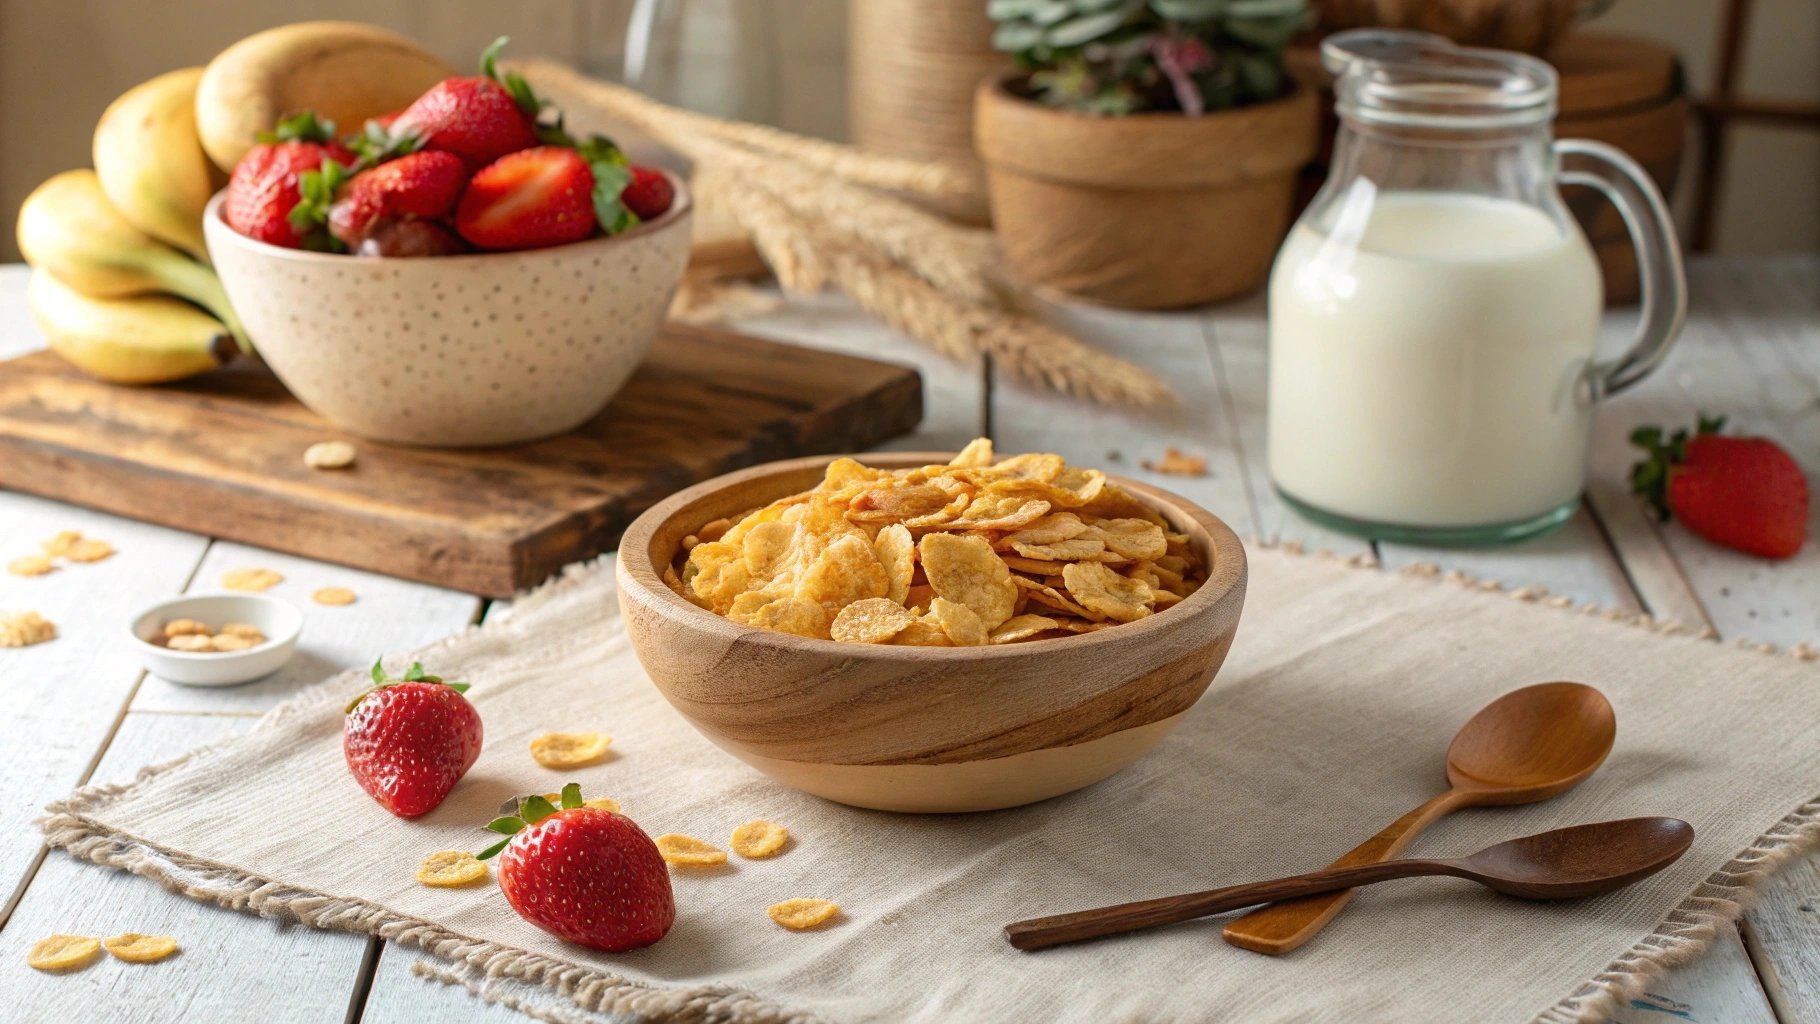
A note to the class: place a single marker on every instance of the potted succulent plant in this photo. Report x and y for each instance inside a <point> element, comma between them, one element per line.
<point>1144,153</point>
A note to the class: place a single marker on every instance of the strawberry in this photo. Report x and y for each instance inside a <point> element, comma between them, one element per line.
<point>422,186</point>
<point>411,238</point>
<point>583,874</point>
<point>478,119</point>
<point>1745,493</point>
<point>408,741</point>
<point>649,194</point>
<point>528,200</point>
<point>267,183</point>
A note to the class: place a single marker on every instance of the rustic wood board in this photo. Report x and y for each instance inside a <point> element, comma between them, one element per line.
<point>222,455</point>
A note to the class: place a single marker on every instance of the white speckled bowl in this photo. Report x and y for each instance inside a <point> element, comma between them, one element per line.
<point>455,351</point>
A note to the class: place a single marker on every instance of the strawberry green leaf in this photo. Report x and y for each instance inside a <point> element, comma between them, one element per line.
<point>492,851</point>
<point>311,214</point>
<point>509,825</point>
<point>457,687</point>
<point>571,796</point>
<point>378,673</point>
<point>536,809</point>
<point>414,673</point>
<point>514,82</point>
<point>303,126</point>
<point>375,144</point>
<point>610,180</point>
<point>1711,424</point>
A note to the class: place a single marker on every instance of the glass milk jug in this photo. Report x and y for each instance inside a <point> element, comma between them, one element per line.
<point>1434,313</point>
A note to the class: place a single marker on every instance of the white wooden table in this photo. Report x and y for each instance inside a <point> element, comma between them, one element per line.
<point>80,710</point>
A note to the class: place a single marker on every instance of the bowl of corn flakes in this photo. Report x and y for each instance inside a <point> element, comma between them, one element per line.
<point>931,633</point>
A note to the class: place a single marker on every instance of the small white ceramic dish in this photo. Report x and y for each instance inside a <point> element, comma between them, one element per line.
<point>278,620</point>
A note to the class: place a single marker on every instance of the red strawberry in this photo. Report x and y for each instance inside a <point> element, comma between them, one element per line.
<point>649,194</point>
<point>478,119</point>
<point>264,188</point>
<point>528,200</point>
<point>408,741</point>
<point>411,238</point>
<point>583,874</point>
<point>422,185</point>
<point>1745,493</point>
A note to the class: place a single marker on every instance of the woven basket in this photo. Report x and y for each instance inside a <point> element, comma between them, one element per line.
<point>912,68</point>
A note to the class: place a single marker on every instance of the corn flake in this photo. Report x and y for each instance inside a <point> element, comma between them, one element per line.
<point>758,839</point>
<point>978,454</point>
<point>330,455</point>
<point>62,952</point>
<point>251,579</point>
<point>87,550</point>
<point>792,615</point>
<point>896,552</point>
<point>192,642</point>
<point>336,596</point>
<point>569,749</point>
<point>233,642</point>
<point>1137,539</point>
<point>30,565</point>
<point>689,851</point>
<point>23,629</point>
<point>922,633</point>
<point>140,949</point>
<point>600,803</point>
<point>800,914</point>
<point>183,627</point>
<point>1021,627</point>
<point>59,545</point>
<point>447,869</point>
<point>1100,589</point>
<point>965,570</point>
<point>874,620</point>
<point>958,621</point>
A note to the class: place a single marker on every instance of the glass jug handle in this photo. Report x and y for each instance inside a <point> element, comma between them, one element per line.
<point>1652,232</point>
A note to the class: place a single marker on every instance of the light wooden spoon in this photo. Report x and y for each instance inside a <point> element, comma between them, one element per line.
<point>1528,745</point>
<point>1567,863</point>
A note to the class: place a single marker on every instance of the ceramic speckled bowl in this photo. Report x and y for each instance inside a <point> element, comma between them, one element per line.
<point>449,351</point>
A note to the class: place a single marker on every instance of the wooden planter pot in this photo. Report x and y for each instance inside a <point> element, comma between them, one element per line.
<point>1148,211</point>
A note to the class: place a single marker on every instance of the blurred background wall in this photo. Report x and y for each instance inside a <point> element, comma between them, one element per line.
<point>62,61</point>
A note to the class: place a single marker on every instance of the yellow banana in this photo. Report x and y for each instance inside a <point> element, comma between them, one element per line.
<point>143,340</point>
<point>344,71</point>
<point>68,227</point>
<point>150,160</point>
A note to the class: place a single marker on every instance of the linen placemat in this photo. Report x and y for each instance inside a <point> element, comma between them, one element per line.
<point>1330,719</point>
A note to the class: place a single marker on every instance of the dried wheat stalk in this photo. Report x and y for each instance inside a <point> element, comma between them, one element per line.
<point>814,215</point>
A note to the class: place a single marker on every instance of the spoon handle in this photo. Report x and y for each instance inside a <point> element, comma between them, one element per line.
<point>1041,932</point>
<point>1281,927</point>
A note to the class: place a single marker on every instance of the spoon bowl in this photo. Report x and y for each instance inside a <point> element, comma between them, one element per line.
<point>1532,744</point>
<point>1583,860</point>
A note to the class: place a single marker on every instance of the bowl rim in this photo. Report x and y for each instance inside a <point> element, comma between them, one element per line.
<point>680,208</point>
<point>215,657</point>
<point>1229,570</point>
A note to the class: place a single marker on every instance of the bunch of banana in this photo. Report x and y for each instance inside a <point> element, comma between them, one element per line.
<point>105,246</point>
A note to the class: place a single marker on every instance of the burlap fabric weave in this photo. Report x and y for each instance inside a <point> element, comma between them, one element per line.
<point>1331,718</point>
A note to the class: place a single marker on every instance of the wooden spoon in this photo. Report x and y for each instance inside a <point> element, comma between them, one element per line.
<point>1528,745</point>
<point>1567,863</point>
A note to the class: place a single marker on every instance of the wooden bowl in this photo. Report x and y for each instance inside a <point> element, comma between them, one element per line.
<point>923,729</point>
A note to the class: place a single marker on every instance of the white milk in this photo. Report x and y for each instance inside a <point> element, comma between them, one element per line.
<point>1428,376</point>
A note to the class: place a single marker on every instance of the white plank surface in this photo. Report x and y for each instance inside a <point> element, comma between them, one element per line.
<point>62,698</point>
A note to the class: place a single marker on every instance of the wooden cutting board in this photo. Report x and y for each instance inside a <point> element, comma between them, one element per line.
<point>222,455</point>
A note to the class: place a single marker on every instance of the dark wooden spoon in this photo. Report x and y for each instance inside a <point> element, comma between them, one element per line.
<point>1530,744</point>
<point>1567,863</point>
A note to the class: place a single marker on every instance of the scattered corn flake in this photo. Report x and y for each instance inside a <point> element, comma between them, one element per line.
<point>59,545</point>
<point>800,914</point>
<point>251,579</point>
<point>330,455</point>
<point>1175,463</point>
<point>872,621</point>
<point>1021,627</point>
<point>193,642</point>
<point>135,948</point>
<point>30,565</point>
<point>23,629</point>
<point>759,839</point>
<point>227,642</point>
<point>333,596</point>
<point>958,621</point>
<point>447,869</point>
<point>181,627</point>
<point>689,851</point>
<point>86,550</point>
<point>63,952</point>
<point>1100,589</point>
<point>602,803</point>
<point>569,749</point>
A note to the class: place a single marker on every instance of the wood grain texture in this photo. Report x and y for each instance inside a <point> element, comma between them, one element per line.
<point>222,455</point>
<point>799,699</point>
